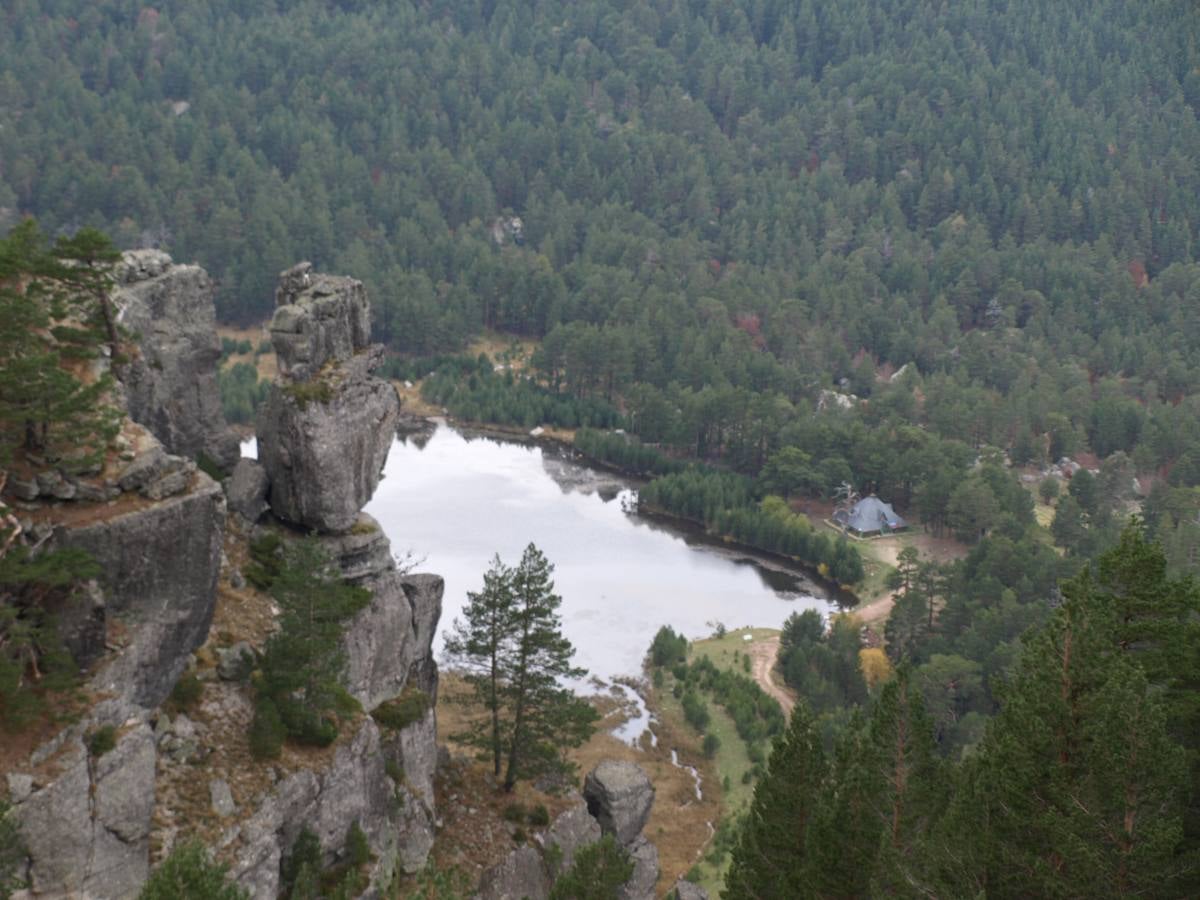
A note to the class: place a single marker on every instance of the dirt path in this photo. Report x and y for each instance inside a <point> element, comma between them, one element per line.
<point>875,612</point>
<point>763,655</point>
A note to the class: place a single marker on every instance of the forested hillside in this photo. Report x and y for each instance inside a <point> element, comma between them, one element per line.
<point>764,197</point>
<point>912,247</point>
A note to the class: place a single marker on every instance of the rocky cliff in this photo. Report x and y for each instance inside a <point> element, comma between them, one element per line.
<point>95,814</point>
<point>171,381</point>
<point>327,424</point>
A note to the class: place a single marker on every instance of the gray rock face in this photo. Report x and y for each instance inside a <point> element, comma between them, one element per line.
<point>246,490</point>
<point>415,750</point>
<point>572,830</point>
<point>235,663</point>
<point>20,786</point>
<point>317,318</point>
<point>222,797</point>
<point>159,570</point>
<point>521,876</point>
<point>355,788</point>
<point>363,552</point>
<point>87,832</point>
<point>619,795</point>
<point>324,457</point>
<point>172,384</point>
<point>685,890</point>
<point>640,885</point>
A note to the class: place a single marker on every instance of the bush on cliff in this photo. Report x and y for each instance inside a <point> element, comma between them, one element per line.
<point>189,873</point>
<point>299,680</point>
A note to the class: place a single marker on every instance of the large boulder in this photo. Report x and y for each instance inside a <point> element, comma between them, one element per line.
<point>318,318</point>
<point>171,382</point>
<point>640,885</point>
<point>246,489</point>
<point>159,564</point>
<point>570,832</point>
<point>685,890</point>
<point>87,831</point>
<point>521,876</point>
<point>619,795</point>
<point>324,442</point>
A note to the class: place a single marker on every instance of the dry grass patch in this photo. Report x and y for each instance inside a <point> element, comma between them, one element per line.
<point>678,825</point>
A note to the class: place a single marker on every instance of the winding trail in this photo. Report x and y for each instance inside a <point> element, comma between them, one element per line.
<point>763,654</point>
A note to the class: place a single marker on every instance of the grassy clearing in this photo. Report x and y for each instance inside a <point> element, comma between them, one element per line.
<point>727,652</point>
<point>724,775</point>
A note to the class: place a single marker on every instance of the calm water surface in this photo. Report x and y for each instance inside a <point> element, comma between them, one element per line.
<point>457,501</point>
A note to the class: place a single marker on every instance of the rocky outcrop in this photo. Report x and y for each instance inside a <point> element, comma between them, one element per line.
<point>522,876</point>
<point>386,641</point>
<point>619,795</point>
<point>246,490</point>
<point>572,830</point>
<point>159,564</point>
<point>644,856</point>
<point>171,382</point>
<point>617,800</point>
<point>318,318</point>
<point>323,442</point>
<point>356,787</point>
<point>87,830</point>
<point>685,890</point>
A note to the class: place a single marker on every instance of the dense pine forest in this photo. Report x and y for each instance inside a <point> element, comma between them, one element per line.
<point>911,247</point>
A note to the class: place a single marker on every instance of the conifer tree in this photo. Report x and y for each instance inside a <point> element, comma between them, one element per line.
<point>908,787</point>
<point>479,645</point>
<point>47,406</point>
<point>303,662</point>
<point>769,859</point>
<point>844,834</point>
<point>1078,781</point>
<point>511,646</point>
<point>546,717</point>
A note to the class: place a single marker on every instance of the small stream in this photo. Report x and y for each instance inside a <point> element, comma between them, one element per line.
<point>691,770</point>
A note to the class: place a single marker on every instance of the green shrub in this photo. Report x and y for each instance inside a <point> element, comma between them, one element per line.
<point>266,560</point>
<point>267,731</point>
<point>190,874</point>
<point>695,711</point>
<point>712,744</point>
<point>305,392</point>
<point>514,812</point>
<point>358,848</point>
<point>539,816</point>
<point>302,866</point>
<point>102,740</point>
<point>209,466</point>
<point>668,648</point>
<point>187,692</point>
<point>403,711</point>
<point>519,836</point>
<point>12,853</point>
<point>599,871</point>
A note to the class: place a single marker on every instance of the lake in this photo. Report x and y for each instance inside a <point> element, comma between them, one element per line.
<point>457,500</point>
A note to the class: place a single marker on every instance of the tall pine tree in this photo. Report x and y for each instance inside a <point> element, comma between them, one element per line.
<point>547,718</point>
<point>769,859</point>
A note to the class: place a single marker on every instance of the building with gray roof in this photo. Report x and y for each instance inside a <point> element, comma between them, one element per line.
<point>870,515</point>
